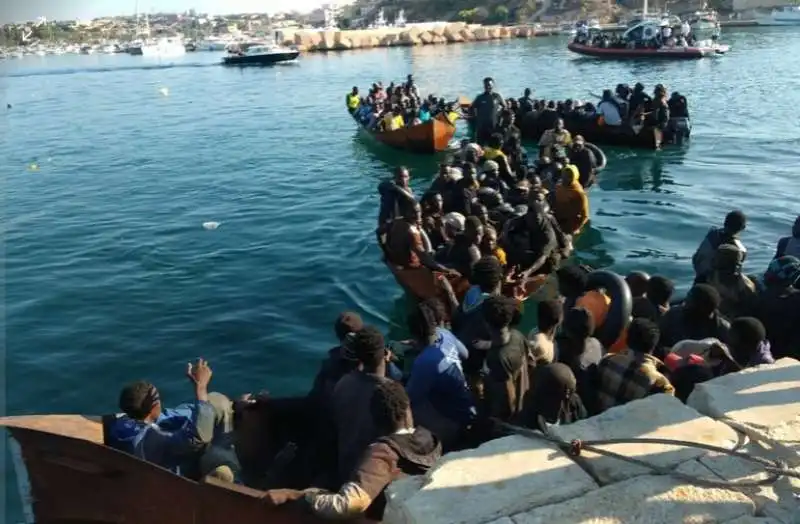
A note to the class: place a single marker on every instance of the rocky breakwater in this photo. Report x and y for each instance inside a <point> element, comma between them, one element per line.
<point>395,37</point>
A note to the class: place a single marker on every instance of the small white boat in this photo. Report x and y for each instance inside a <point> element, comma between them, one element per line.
<point>787,15</point>
<point>213,44</point>
<point>164,47</point>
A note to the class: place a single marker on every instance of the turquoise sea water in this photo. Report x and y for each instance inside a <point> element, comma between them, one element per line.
<point>110,276</point>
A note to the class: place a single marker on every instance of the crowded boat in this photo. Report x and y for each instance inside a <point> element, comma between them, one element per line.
<point>647,38</point>
<point>397,106</point>
<point>623,116</point>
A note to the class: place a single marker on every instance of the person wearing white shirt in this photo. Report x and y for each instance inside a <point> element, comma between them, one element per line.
<point>609,109</point>
<point>685,29</point>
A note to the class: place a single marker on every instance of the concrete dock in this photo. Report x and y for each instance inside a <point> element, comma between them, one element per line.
<point>523,480</point>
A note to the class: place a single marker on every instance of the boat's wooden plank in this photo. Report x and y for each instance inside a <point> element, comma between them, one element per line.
<point>75,426</point>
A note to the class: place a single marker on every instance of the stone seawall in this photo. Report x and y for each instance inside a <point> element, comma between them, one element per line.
<point>309,41</point>
<point>521,480</point>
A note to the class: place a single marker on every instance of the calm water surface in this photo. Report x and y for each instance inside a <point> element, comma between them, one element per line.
<point>110,276</point>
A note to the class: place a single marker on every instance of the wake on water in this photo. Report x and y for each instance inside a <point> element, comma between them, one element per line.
<point>75,71</point>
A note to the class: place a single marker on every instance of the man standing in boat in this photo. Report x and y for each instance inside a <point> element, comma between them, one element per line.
<point>486,109</point>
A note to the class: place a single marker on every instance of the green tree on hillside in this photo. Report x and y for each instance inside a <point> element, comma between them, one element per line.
<point>468,15</point>
<point>501,14</point>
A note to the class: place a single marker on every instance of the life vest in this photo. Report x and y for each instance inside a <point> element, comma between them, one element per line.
<point>353,101</point>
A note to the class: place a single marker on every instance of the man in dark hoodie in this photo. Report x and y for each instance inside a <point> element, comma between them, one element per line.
<point>639,99</point>
<point>399,450</point>
<point>703,258</point>
<point>748,342</point>
<point>531,243</point>
<point>697,318</point>
<point>469,324</point>
<point>352,419</point>
<point>779,306</point>
<point>341,359</point>
<point>790,246</point>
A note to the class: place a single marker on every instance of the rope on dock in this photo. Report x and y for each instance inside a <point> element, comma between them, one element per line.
<point>775,469</point>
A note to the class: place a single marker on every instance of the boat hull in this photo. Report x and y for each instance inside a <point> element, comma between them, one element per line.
<point>431,137</point>
<point>676,53</point>
<point>73,477</point>
<point>770,21</point>
<point>267,59</point>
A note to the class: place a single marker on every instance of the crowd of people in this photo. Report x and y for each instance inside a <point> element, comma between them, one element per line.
<point>397,106</point>
<point>473,368</point>
<point>468,250</point>
<point>622,107</point>
<point>647,36</point>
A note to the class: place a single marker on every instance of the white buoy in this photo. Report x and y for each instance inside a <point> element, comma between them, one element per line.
<point>210,225</point>
<point>164,91</point>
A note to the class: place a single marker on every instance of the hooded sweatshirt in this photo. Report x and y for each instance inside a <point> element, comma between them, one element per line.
<point>790,246</point>
<point>571,204</point>
<point>172,440</point>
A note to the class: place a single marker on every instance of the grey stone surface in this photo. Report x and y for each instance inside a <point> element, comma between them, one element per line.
<point>657,416</point>
<point>500,478</point>
<point>762,402</point>
<point>645,500</point>
<point>777,500</point>
<point>753,520</point>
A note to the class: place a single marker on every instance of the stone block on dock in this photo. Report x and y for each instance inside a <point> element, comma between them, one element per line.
<point>426,38</point>
<point>390,40</point>
<point>453,35</point>
<point>481,34</point>
<point>776,500</point>
<point>657,416</point>
<point>524,32</point>
<point>645,500</point>
<point>502,477</point>
<point>410,37</point>
<point>327,40</point>
<point>467,35</point>
<point>763,402</point>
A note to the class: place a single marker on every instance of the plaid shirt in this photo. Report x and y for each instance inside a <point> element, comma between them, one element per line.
<point>627,376</point>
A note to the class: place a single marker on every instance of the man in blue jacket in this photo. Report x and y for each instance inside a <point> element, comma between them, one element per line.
<point>191,439</point>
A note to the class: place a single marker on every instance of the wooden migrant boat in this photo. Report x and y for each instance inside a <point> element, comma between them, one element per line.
<point>431,137</point>
<point>68,476</point>
<point>645,137</point>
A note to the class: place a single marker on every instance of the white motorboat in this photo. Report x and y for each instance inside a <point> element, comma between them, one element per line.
<point>213,43</point>
<point>787,15</point>
<point>164,47</point>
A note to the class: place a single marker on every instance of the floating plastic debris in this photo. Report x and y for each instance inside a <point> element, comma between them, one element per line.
<point>164,91</point>
<point>33,166</point>
<point>210,225</point>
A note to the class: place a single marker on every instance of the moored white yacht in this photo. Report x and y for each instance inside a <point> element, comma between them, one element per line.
<point>787,15</point>
<point>162,47</point>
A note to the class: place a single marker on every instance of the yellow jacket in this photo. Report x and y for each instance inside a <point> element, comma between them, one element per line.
<point>571,207</point>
